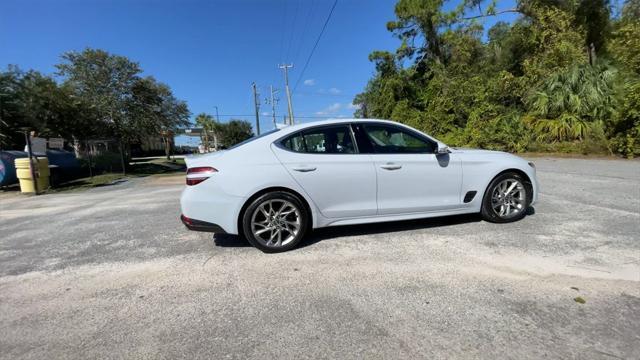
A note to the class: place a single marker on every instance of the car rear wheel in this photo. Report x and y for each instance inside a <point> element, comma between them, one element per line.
<point>275,222</point>
<point>506,198</point>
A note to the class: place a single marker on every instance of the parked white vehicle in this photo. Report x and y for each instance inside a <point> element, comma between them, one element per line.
<point>274,188</point>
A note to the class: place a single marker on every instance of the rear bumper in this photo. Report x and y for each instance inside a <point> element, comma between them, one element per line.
<point>198,225</point>
<point>206,202</point>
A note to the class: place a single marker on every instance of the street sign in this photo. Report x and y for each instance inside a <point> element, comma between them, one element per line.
<point>196,131</point>
<point>56,143</point>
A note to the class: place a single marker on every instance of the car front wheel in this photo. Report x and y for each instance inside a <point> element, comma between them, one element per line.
<point>506,198</point>
<point>275,222</point>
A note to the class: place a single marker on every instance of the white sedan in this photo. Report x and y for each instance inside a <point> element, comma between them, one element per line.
<point>274,188</point>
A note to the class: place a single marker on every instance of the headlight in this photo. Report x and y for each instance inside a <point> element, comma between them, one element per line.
<point>532,164</point>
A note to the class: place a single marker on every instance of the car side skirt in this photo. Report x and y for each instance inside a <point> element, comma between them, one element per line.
<point>396,217</point>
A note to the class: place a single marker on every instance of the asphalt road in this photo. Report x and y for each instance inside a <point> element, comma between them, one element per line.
<point>111,273</point>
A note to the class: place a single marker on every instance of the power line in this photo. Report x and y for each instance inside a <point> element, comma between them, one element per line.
<point>284,28</point>
<point>315,45</point>
<point>325,94</point>
<point>293,28</point>
<point>304,30</point>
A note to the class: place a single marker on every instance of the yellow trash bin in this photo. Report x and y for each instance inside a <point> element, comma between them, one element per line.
<point>24,174</point>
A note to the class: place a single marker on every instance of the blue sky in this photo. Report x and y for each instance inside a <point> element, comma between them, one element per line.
<point>210,52</point>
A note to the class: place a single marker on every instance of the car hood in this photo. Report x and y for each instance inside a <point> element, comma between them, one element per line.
<point>480,154</point>
<point>476,151</point>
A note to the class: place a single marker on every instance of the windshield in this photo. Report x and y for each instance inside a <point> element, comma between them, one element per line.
<point>253,138</point>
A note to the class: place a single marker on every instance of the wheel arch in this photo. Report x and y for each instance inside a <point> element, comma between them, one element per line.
<point>256,195</point>
<point>520,172</point>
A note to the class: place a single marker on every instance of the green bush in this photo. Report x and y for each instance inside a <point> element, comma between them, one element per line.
<point>506,133</point>
<point>107,162</point>
<point>625,130</point>
<point>627,144</point>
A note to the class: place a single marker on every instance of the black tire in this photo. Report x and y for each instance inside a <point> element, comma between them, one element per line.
<point>490,214</point>
<point>272,198</point>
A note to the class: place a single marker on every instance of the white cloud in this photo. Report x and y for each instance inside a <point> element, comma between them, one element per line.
<point>354,106</point>
<point>264,113</point>
<point>334,91</point>
<point>334,107</point>
<point>310,82</point>
<point>331,109</point>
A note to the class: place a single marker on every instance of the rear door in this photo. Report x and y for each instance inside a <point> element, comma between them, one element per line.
<point>411,176</point>
<point>325,162</point>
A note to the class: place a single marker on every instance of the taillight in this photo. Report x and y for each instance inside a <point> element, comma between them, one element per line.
<point>196,175</point>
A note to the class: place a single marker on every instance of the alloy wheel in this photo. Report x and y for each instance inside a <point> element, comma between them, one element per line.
<point>276,223</point>
<point>508,198</point>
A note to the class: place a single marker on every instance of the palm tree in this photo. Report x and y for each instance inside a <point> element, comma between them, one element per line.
<point>570,104</point>
<point>209,126</point>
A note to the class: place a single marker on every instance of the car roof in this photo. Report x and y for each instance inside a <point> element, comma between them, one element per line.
<point>287,130</point>
<point>290,129</point>
<point>309,124</point>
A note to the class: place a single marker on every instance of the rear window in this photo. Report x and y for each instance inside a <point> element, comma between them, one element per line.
<point>323,140</point>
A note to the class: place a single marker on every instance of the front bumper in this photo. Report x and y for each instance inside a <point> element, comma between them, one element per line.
<point>198,225</point>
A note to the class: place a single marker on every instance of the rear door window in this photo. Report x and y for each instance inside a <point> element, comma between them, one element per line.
<point>334,139</point>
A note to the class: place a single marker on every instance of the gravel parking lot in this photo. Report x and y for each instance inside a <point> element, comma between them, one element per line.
<point>112,273</point>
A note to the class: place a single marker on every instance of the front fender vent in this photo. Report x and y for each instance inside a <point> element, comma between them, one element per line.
<point>469,196</point>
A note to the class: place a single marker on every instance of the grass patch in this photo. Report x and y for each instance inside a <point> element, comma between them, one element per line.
<point>88,183</point>
<point>176,161</point>
<point>146,169</point>
<point>157,167</point>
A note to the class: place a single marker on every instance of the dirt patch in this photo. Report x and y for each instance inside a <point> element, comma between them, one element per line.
<point>173,179</point>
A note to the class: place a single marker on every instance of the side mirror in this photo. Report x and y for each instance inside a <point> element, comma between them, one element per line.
<point>442,150</point>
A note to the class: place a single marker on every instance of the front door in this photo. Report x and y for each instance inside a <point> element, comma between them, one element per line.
<point>411,176</point>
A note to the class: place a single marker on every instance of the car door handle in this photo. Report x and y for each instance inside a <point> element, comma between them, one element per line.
<point>391,166</point>
<point>304,168</point>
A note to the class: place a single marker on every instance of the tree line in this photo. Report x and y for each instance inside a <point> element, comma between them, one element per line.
<point>563,77</point>
<point>99,95</point>
<point>217,135</point>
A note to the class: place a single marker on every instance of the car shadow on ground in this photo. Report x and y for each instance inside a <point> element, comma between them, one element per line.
<point>385,227</point>
<point>226,240</point>
<point>328,233</point>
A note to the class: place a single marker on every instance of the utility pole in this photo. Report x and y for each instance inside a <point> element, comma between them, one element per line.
<point>257,105</point>
<point>273,101</point>
<point>285,67</point>
<point>215,130</point>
